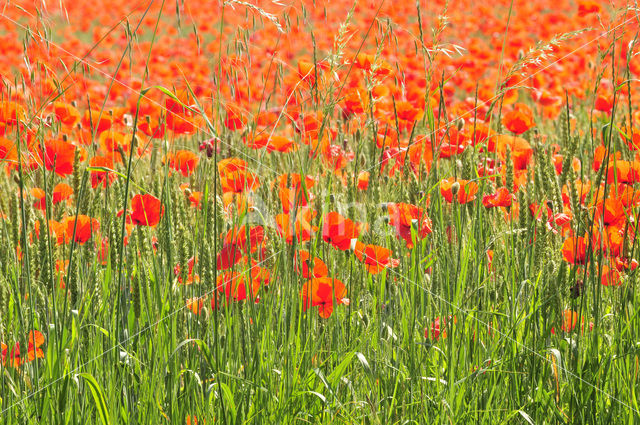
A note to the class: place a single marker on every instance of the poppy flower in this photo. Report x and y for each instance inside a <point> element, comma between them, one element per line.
<point>84,227</point>
<point>233,285</point>
<point>298,226</point>
<point>191,277</point>
<point>235,177</point>
<point>339,231</point>
<point>184,161</point>
<point>147,210</point>
<point>8,152</point>
<point>293,198</point>
<point>195,305</point>
<point>521,150</point>
<point>438,327</point>
<point>235,119</point>
<point>403,217</point>
<point>375,258</point>
<point>96,120</point>
<point>59,157</point>
<point>322,292</point>
<point>99,177</point>
<point>574,250</point>
<point>61,192</point>
<point>34,350</point>
<point>610,276</point>
<point>66,113</point>
<point>307,268</point>
<point>363,180</point>
<point>11,112</point>
<point>519,120</point>
<point>610,211</point>
<point>502,198</point>
<point>462,191</point>
<point>152,127</point>
<point>228,257</point>
<point>247,239</point>
<point>587,7</point>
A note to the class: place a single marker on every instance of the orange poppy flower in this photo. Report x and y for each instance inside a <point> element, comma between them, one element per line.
<point>521,150</point>
<point>97,121</point>
<point>574,250</point>
<point>404,216</point>
<point>610,276</point>
<point>233,285</point>
<point>84,227</point>
<point>66,113</point>
<point>34,350</point>
<point>99,177</point>
<point>502,198</point>
<point>310,269</point>
<point>238,236</point>
<point>339,231</point>
<point>59,157</point>
<point>147,210</point>
<point>463,190</point>
<point>519,120</point>
<point>321,292</point>
<point>61,192</point>
<point>234,176</point>
<point>195,305</point>
<point>299,226</point>
<point>363,180</point>
<point>11,112</point>
<point>375,258</point>
<point>184,161</point>
<point>8,152</point>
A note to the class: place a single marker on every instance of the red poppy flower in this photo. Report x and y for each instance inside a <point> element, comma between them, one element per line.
<point>233,285</point>
<point>339,231</point>
<point>321,292</point>
<point>574,250</point>
<point>246,241</point>
<point>147,210</point>
<point>438,327</point>
<point>59,157</point>
<point>310,269</point>
<point>67,114</point>
<point>299,226</point>
<point>84,226</point>
<point>502,198</point>
<point>375,258</point>
<point>61,192</point>
<point>99,177</point>
<point>184,161</point>
<point>519,119</point>
<point>35,341</point>
<point>465,190</point>
<point>235,177</point>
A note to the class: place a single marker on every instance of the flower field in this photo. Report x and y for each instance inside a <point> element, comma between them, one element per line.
<point>368,212</point>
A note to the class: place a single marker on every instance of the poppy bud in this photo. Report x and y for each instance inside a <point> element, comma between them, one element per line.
<point>455,187</point>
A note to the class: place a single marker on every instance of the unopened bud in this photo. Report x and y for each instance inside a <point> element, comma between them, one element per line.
<point>455,187</point>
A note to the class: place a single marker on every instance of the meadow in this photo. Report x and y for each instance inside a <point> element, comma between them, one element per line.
<point>292,211</point>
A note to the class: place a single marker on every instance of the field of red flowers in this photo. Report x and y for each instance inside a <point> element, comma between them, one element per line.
<point>367,212</point>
